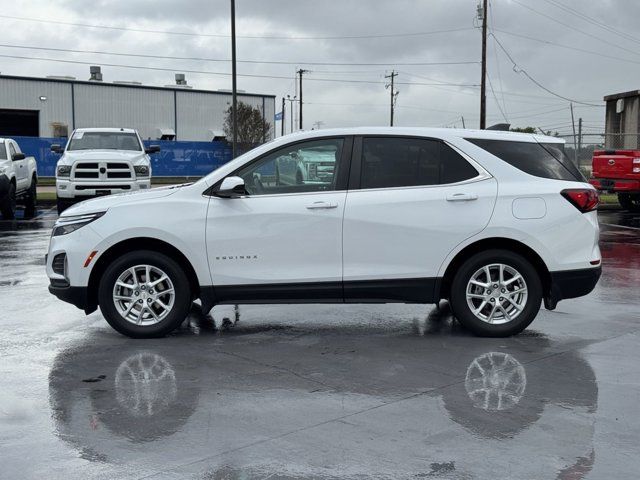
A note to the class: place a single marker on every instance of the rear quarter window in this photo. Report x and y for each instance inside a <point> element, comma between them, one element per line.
<point>545,160</point>
<point>3,152</point>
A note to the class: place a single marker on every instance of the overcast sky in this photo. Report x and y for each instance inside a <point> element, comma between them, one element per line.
<point>397,32</point>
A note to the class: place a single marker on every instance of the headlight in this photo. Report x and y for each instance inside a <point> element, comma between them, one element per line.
<point>141,170</point>
<point>3,169</point>
<point>66,225</point>
<point>64,170</point>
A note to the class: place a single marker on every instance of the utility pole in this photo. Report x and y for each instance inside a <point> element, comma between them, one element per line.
<point>463,125</point>
<point>300,72</point>
<point>394,94</point>
<point>575,138</point>
<point>233,77</point>
<point>282,119</point>
<point>579,138</point>
<point>483,86</point>
<point>317,125</point>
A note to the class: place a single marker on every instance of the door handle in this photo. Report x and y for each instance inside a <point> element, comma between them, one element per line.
<point>321,205</point>
<point>461,197</point>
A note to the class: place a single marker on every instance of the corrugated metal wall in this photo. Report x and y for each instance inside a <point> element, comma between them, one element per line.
<point>144,109</point>
<point>25,95</point>
<point>107,105</point>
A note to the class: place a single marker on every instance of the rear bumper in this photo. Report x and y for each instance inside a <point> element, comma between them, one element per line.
<point>573,283</point>
<point>78,296</point>
<point>615,185</point>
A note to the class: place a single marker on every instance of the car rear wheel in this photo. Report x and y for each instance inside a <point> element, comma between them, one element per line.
<point>31,199</point>
<point>629,201</point>
<point>496,293</point>
<point>144,294</point>
<point>8,203</point>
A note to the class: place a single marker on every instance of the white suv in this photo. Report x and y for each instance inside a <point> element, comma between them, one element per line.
<point>496,222</point>
<point>101,161</point>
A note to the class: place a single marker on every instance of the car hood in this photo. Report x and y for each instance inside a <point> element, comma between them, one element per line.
<point>70,157</point>
<point>102,204</point>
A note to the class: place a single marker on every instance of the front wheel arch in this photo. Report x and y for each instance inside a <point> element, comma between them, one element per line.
<point>130,245</point>
<point>444,289</point>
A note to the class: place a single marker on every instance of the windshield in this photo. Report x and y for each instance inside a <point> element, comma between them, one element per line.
<point>105,141</point>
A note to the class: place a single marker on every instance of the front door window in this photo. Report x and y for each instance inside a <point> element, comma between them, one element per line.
<point>303,167</point>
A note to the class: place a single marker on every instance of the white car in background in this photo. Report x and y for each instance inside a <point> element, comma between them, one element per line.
<point>495,222</point>
<point>101,161</point>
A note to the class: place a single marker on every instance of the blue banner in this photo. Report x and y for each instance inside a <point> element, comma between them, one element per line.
<point>176,159</point>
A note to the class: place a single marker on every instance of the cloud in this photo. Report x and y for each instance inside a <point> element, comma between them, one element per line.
<point>571,73</point>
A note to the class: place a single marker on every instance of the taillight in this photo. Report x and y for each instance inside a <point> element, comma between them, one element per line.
<point>584,199</point>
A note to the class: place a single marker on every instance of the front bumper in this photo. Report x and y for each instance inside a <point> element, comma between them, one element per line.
<point>571,284</point>
<point>69,189</point>
<point>615,185</point>
<point>78,296</point>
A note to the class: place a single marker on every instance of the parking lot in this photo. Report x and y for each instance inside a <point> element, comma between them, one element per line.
<point>319,391</point>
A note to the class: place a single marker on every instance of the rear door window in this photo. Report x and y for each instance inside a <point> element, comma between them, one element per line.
<point>389,162</point>
<point>546,160</point>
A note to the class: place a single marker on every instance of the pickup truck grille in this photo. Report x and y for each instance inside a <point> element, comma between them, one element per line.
<point>101,171</point>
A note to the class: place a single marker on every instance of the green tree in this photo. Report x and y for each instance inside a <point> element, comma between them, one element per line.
<point>252,128</point>
<point>534,130</point>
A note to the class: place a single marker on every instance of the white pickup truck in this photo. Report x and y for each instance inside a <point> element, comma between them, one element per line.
<point>18,180</point>
<point>101,161</point>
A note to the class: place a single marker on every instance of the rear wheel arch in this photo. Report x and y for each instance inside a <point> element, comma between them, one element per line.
<point>139,243</point>
<point>493,244</point>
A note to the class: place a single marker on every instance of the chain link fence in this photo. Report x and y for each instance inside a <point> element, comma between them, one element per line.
<point>579,148</point>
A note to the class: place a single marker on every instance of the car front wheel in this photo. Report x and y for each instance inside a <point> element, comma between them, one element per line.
<point>144,294</point>
<point>496,293</point>
<point>8,204</point>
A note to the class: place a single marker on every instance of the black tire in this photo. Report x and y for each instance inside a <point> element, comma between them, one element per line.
<point>8,203</point>
<point>62,205</point>
<point>177,314</point>
<point>466,316</point>
<point>31,199</point>
<point>629,201</point>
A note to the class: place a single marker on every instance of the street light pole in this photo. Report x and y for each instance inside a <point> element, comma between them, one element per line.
<point>234,77</point>
<point>291,102</point>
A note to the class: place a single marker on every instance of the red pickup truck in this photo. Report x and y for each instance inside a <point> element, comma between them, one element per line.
<point>618,171</point>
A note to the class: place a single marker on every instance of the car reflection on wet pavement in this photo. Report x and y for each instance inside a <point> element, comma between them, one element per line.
<point>319,391</point>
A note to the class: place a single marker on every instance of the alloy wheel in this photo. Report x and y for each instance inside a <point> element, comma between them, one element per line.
<point>144,295</point>
<point>496,293</point>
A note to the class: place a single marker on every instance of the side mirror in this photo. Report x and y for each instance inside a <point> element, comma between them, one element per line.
<point>18,156</point>
<point>56,148</point>
<point>152,149</point>
<point>231,187</point>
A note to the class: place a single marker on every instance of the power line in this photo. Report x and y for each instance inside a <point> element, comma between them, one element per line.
<point>555,44</point>
<point>567,25</point>
<point>592,20</point>
<point>518,69</point>
<point>216,35</point>
<point>226,74</point>
<point>205,59</point>
<point>496,99</point>
<point>495,53</point>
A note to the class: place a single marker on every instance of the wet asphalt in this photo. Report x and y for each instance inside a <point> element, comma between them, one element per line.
<point>319,391</point>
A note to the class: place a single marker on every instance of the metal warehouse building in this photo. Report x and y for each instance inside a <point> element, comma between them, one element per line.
<point>54,106</point>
